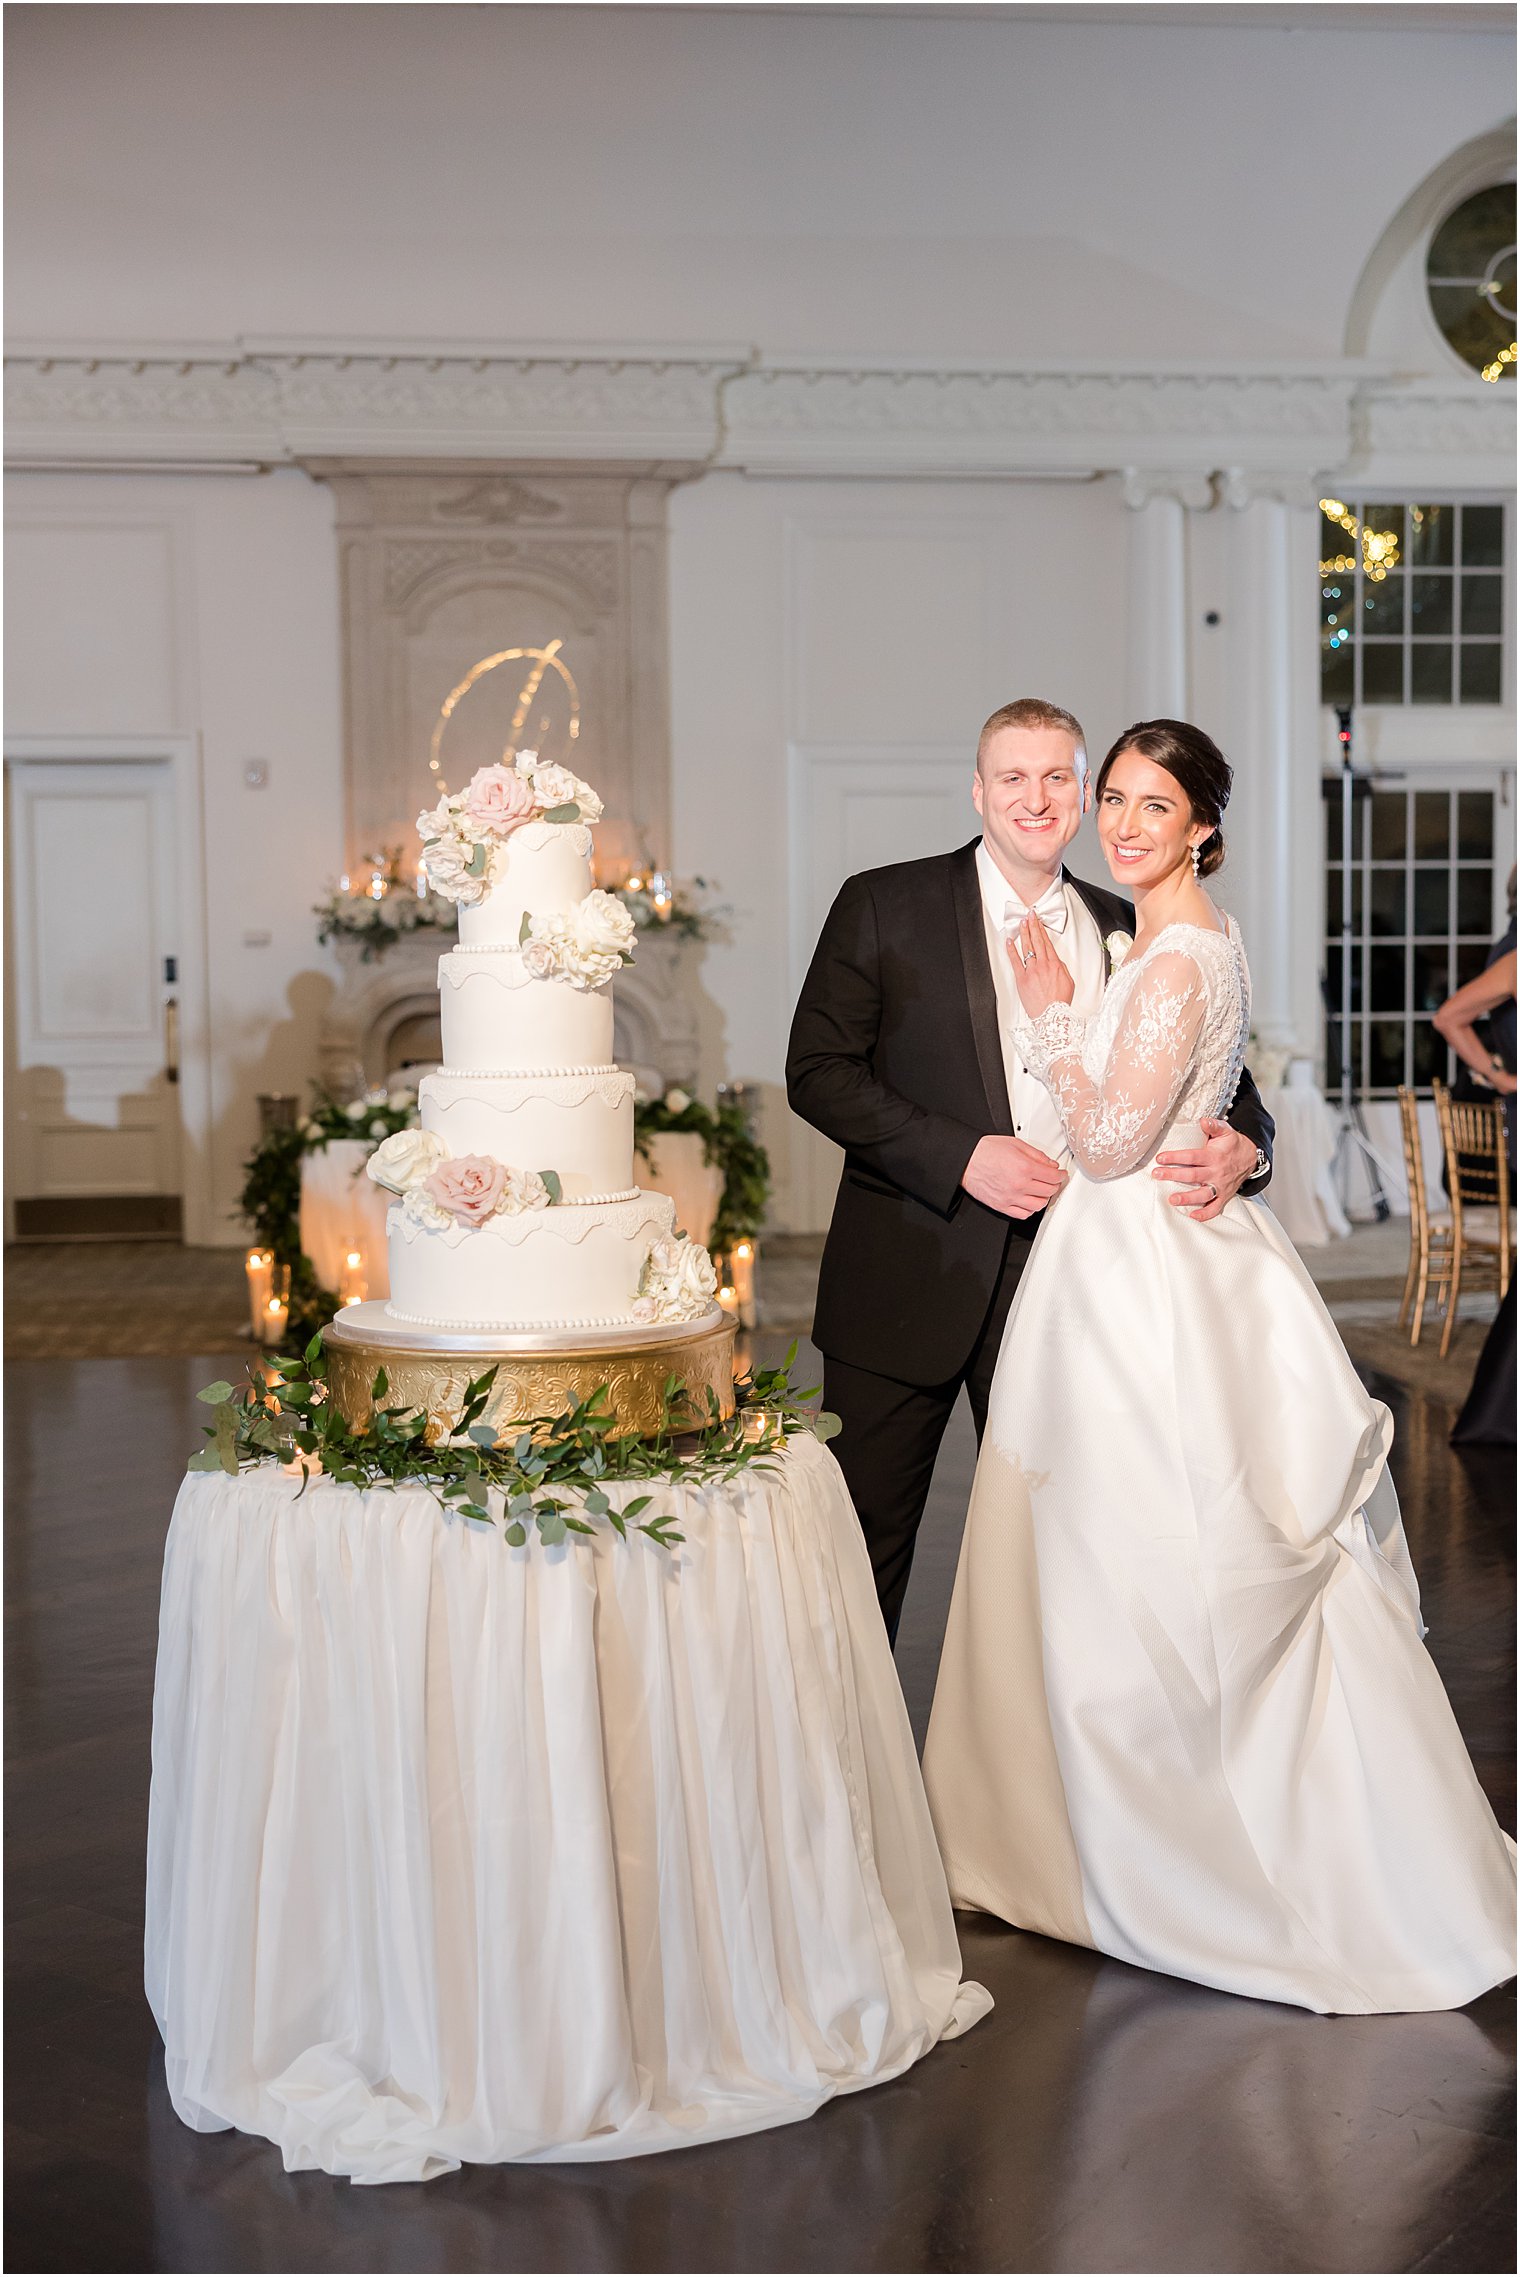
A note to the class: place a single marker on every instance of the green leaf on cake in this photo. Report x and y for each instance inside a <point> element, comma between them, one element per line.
<point>551,1181</point>
<point>569,812</point>
<point>479,857</point>
<point>525,929</point>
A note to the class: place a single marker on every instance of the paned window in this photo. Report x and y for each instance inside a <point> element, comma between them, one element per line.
<point>1422,914</point>
<point>1470,276</point>
<point>1411,602</point>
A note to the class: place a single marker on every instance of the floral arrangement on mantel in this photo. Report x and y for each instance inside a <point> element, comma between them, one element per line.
<point>554,1476</point>
<point>728,1144</point>
<point>385,910</point>
<point>655,900</point>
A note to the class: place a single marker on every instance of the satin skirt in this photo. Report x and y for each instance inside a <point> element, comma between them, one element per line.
<point>1185,1715</point>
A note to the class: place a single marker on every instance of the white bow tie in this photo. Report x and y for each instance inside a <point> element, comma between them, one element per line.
<point>1050,910</point>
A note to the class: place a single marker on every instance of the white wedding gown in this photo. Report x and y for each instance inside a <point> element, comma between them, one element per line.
<point>1184,1713</point>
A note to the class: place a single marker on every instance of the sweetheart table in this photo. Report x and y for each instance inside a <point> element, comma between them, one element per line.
<point>462,1853</point>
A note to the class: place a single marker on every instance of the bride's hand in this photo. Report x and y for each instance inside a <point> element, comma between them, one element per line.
<point>1039,975</point>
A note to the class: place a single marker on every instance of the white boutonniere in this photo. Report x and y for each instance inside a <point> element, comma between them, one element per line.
<point>1118,946</point>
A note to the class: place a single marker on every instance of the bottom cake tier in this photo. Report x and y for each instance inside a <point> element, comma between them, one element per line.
<point>574,1266</point>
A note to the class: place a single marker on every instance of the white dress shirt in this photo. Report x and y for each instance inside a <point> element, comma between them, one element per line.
<point>1081,950</point>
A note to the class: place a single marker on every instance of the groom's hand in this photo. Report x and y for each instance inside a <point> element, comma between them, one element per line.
<point>1012,1177</point>
<point>1210,1175</point>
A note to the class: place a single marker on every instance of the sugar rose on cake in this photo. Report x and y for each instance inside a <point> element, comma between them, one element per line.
<point>405,1160</point>
<point>499,800</point>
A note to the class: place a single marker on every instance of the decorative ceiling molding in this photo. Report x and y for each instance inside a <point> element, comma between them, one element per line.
<point>681,412</point>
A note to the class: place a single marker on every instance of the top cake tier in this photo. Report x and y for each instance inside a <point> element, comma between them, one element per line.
<point>540,871</point>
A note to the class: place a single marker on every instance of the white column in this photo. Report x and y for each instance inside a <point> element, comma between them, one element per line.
<point>1275,824</point>
<point>1157,677</point>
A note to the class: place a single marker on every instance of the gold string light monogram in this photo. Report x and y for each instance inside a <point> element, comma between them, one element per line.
<point>539,661</point>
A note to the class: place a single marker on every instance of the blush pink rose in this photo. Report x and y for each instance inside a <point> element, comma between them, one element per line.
<point>499,800</point>
<point>469,1187</point>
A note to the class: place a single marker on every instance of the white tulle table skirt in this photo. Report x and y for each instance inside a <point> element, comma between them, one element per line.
<point>458,1852</point>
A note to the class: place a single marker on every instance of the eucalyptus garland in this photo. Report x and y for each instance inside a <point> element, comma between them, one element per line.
<point>549,1476</point>
<point>728,1144</point>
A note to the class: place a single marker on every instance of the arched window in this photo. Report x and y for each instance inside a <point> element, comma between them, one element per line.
<point>1470,276</point>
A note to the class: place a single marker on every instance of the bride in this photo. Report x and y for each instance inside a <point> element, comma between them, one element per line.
<point>1184,1713</point>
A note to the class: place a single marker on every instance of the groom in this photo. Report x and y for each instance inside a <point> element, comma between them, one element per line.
<point>905,1051</point>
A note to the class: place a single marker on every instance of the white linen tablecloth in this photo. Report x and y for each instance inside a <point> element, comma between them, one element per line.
<point>1301,1191</point>
<point>342,1209</point>
<point>458,1852</point>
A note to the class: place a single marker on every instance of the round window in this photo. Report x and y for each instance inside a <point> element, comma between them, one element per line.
<point>1470,273</point>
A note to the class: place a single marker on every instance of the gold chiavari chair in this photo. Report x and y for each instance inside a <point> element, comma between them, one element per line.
<point>1477,1175</point>
<point>1430,1232</point>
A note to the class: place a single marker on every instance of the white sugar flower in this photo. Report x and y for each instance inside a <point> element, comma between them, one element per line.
<point>540,959</point>
<point>524,1190</point>
<point>603,926</point>
<point>695,1274</point>
<point>405,1159</point>
<point>419,1208</point>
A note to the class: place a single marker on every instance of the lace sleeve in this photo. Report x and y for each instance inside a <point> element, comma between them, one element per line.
<point>1112,1122</point>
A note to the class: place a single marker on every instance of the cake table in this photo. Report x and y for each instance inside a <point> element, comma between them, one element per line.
<point>464,1853</point>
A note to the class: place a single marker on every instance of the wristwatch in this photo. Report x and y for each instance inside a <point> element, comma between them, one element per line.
<point>1260,1166</point>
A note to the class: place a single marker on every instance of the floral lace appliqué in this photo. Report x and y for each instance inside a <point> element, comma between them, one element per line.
<point>1166,1047</point>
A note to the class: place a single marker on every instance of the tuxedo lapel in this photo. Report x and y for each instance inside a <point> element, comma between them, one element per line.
<point>980,993</point>
<point>1108,913</point>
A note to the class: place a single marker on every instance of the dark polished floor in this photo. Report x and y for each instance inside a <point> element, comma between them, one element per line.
<point>1101,2119</point>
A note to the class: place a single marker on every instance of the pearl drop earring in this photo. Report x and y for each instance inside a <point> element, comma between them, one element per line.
<point>1196,852</point>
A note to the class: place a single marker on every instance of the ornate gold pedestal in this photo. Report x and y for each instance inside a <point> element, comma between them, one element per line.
<point>534,1376</point>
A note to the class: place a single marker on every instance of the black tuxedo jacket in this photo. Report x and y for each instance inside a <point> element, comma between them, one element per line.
<point>895,1055</point>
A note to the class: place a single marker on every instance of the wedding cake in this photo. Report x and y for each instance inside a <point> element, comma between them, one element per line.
<point>515,1207</point>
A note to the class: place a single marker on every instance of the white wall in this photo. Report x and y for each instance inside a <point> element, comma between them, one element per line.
<point>1066,182</point>
<point>203,607</point>
<point>835,647</point>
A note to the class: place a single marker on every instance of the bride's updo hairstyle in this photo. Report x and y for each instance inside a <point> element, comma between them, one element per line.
<point>1195,761</point>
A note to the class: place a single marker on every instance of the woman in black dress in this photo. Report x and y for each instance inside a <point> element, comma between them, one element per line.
<point>1488,1417</point>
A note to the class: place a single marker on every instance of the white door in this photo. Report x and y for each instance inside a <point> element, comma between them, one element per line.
<point>92,908</point>
<point>850,810</point>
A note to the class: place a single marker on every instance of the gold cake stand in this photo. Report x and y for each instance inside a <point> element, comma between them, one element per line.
<point>535,1375</point>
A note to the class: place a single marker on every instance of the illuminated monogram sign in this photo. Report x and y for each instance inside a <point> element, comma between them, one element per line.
<point>545,714</point>
<point>487,609</point>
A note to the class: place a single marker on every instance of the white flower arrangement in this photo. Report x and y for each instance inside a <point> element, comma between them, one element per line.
<point>678,1281</point>
<point>584,945</point>
<point>437,1189</point>
<point>464,837</point>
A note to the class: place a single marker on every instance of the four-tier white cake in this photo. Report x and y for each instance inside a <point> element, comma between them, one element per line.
<point>516,1209</point>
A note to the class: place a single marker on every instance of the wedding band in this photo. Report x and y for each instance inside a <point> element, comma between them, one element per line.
<point>1213,1190</point>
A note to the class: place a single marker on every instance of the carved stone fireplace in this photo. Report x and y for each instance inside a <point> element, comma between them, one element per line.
<point>447,567</point>
<point>450,572</point>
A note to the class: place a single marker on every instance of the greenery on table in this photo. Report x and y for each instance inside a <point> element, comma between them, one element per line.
<point>378,921</point>
<point>550,1476</point>
<point>728,1144</point>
